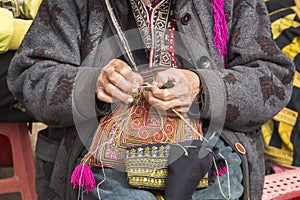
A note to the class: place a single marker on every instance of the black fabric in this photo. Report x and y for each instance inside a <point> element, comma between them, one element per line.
<point>185,171</point>
<point>297,61</point>
<point>7,112</point>
<point>5,96</point>
<point>287,36</point>
<point>276,5</point>
<point>281,14</point>
<point>46,152</point>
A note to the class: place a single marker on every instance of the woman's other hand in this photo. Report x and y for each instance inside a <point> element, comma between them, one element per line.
<point>117,81</point>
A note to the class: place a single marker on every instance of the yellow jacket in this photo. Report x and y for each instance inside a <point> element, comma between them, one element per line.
<point>13,30</point>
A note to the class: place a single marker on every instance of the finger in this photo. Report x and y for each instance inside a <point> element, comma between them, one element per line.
<point>100,89</point>
<point>119,81</point>
<point>125,70</point>
<point>123,77</point>
<point>137,79</point>
<point>121,67</point>
<point>102,96</point>
<point>164,105</point>
<point>112,91</point>
<point>164,94</point>
<point>116,93</point>
<point>178,91</point>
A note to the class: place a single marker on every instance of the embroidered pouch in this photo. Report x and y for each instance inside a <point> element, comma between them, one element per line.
<point>155,166</point>
<point>135,125</point>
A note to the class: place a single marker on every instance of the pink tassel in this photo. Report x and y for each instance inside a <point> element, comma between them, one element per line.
<point>222,171</point>
<point>83,175</point>
<point>220,37</point>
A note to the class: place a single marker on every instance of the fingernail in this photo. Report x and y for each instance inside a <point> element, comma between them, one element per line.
<point>130,100</point>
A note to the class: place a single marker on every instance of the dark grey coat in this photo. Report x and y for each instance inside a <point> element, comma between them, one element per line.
<point>54,75</point>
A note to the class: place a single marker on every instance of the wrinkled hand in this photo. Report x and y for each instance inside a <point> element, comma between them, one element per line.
<point>117,81</point>
<point>185,86</point>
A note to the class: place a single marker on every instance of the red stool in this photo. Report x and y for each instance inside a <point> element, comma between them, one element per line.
<point>23,180</point>
<point>282,186</point>
<point>6,155</point>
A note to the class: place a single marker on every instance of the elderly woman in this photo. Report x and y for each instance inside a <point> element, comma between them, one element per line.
<point>212,64</point>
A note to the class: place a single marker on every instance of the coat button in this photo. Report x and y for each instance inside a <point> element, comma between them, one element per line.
<point>240,148</point>
<point>204,62</point>
<point>186,17</point>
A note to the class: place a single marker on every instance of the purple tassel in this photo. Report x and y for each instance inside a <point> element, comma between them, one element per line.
<point>220,37</point>
<point>83,175</point>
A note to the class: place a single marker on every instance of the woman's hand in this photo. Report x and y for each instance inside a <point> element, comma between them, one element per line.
<point>117,81</point>
<point>184,86</point>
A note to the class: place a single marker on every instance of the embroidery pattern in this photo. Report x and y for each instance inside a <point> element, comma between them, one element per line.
<point>49,14</point>
<point>269,88</point>
<point>135,125</point>
<point>235,39</point>
<point>232,113</point>
<point>230,79</point>
<point>158,25</point>
<point>267,45</point>
<point>63,91</point>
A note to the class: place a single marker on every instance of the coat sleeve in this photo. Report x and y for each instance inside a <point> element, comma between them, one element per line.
<point>46,74</point>
<point>257,80</point>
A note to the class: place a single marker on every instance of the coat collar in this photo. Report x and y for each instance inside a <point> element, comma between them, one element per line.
<point>202,9</point>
